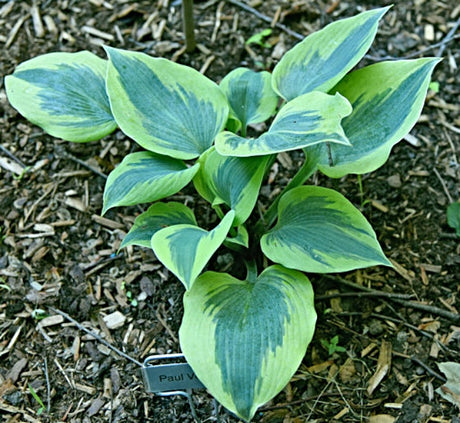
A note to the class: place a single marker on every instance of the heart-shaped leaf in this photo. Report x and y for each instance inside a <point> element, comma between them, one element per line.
<point>234,181</point>
<point>144,177</point>
<point>250,94</point>
<point>245,340</point>
<point>307,120</point>
<point>323,58</point>
<point>63,93</point>
<point>165,107</point>
<point>387,100</point>
<point>157,217</point>
<point>186,249</point>
<point>320,231</point>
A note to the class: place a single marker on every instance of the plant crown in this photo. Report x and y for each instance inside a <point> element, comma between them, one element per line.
<point>243,338</point>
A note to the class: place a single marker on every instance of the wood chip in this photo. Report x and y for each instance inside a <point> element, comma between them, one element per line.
<point>379,206</point>
<point>383,367</point>
<point>14,31</point>
<point>318,368</point>
<point>12,342</point>
<point>50,24</point>
<point>115,320</point>
<point>93,31</point>
<point>87,389</point>
<point>37,21</point>
<point>414,141</point>
<point>43,227</point>
<point>6,9</point>
<point>431,268</point>
<point>111,224</point>
<point>51,321</point>
<point>75,203</point>
<point>95,406</point>
<point>11,409</point>
<point>16,370</point>
<point>11,166</point>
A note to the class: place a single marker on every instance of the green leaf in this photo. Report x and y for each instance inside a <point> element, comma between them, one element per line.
<point>307,120</point>
<point>250,95</point>
<point>165,107</point>
<point>320,231</point>
<point>259,38</point>
<point>157,217</point>
<point>453,216</point>
<point>186,249</point>
<point>241,239</point>
<point>64,94</point>
<point>245,340</point>
<point>234,181</point>
<point>144,177</point>
<point>323,58</point>
<point>387,100</point>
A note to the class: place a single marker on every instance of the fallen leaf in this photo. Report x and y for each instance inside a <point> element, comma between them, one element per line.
<point>383,366</point>
<point>450,391</point>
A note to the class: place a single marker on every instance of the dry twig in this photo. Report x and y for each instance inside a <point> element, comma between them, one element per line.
<point>265,18</point>
<point>95,336</point>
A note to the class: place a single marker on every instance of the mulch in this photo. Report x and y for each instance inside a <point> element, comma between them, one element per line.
<point>77,317</point>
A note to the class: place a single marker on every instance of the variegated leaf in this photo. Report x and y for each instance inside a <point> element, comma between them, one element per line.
<point>186,249</point>
<point>323,58</point>
<point>63,93</point>
<point>165,107</point>
<point>307,120</point>
<point>157,217</point>
<point>245,340</point>
<point>241,239</point>
<point>144,177</point>
<point>320,231</point>
<point>387,100</point>
<point>250,94</point>
<point>234,181</point>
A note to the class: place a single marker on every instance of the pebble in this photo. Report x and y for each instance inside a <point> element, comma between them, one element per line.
<point>394,181</point>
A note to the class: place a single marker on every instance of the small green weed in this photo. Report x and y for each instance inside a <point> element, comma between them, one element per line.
<point>38,399</point>
<point>332,346</point>
<point>260,37</point>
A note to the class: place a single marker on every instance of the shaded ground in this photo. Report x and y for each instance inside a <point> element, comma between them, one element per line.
<point>57,254</point>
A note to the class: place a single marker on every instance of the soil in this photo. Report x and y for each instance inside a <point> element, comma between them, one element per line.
<point>59,259</point>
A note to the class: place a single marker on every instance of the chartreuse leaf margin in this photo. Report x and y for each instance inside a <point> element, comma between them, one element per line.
<point>323,58</point>
<point>391,95</point>
<point>63,93</point>
<point>186,249</point>
<point>166,107</point>
<point>320,231</point>
<point>307,120</point>
<point>143,177</point>
<point>234,181</point>
<point>245,339</point>
<point>158,216</point>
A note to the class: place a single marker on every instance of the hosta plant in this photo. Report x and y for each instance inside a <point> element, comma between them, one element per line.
<point>244,337</point>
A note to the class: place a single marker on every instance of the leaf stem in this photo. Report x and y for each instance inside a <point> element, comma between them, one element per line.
<point>251,268</point>
<point>307,169</point>
<point>188,24</point>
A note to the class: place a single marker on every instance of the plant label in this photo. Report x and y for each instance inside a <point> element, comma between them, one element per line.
<point>170,377</point>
